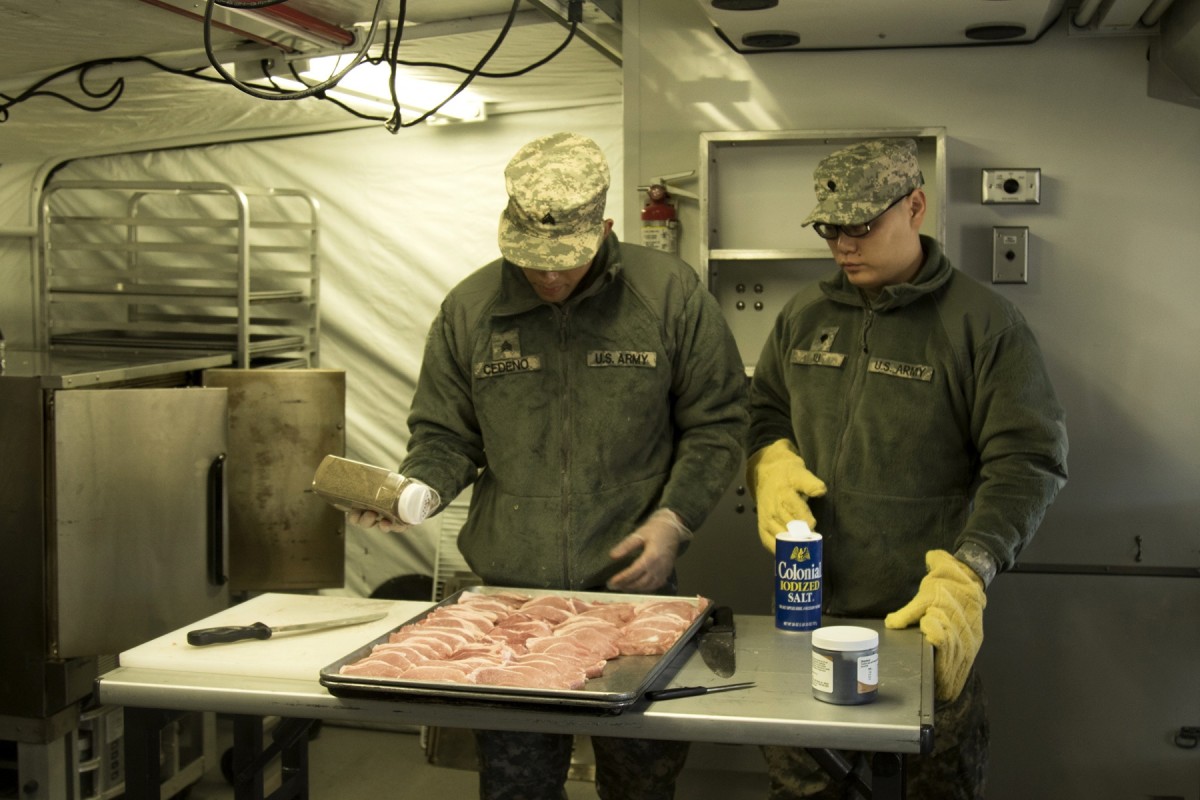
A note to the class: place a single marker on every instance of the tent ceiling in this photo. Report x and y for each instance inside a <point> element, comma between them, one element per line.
<point>151,108</point>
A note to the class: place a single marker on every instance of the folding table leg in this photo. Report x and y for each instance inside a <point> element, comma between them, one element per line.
<point>143,749</point>
<point>289,742</point>
<point>887,776</point>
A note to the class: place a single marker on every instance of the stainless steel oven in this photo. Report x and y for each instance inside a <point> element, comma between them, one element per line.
<point>142,490</point>
<point>112,514</point>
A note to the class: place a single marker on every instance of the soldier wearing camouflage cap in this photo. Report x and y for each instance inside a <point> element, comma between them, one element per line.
<point>557,186</point>
<point>904,411</point>
<point>593,395</point>
<point>858,183</point>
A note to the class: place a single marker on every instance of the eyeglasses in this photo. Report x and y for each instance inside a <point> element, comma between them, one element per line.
<point>857,230</point>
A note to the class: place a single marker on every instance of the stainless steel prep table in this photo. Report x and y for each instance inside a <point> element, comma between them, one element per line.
<point>279,678</point>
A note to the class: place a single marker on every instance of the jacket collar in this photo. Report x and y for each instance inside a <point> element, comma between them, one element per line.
<point>934,272</point>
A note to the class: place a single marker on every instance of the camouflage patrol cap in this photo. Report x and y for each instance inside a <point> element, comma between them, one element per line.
<point>557,187</point>
<point>858,183</point>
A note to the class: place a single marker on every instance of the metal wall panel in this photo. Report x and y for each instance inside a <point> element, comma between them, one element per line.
<point>1110,296</point>
<point>1090,679</point>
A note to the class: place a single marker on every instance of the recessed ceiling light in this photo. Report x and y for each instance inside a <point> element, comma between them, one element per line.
<point>743,5</point>
<point>771,39</point>
<point>995,33</point>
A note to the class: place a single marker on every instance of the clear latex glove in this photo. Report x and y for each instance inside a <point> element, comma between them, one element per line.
<point>659,539</point>
<point>371,519</point>
<point>949,604</point>
<point>781,485</point>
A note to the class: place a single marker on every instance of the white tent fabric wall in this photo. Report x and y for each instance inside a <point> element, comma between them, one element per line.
<point>403,218</point>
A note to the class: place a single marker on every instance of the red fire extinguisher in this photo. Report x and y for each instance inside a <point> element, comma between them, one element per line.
<point>660,226</point>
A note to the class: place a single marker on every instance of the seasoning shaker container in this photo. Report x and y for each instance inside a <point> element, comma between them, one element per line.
<point>798,581</point>
<point>351,485</point>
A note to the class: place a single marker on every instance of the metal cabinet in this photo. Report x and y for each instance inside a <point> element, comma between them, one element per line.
<point>755,187</point>
<point>199,266</point>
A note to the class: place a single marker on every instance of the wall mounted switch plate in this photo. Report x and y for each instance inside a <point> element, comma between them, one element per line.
<point>1012,186</point>
<point>1010,255</point>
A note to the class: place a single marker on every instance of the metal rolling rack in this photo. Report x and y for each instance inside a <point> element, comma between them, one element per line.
<point>182,266</point>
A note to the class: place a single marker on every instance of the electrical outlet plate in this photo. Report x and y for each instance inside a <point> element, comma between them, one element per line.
<point>1012,185</point>
<point>1010,255</point>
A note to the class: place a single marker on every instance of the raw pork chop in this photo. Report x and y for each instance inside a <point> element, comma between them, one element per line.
<point>515,640</point>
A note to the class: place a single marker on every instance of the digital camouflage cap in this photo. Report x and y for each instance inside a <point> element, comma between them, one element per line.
<point>557,187</point>
<point>858,183</point>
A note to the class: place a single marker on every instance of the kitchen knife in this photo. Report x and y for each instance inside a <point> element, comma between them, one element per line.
<point>692,691</point>
<point>260,630</point>
<point>716,643</point>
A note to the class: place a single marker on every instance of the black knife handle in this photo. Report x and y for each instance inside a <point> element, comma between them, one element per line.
<point>230,633</point>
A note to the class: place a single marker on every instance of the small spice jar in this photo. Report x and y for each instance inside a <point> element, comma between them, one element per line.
<point>845,664</point>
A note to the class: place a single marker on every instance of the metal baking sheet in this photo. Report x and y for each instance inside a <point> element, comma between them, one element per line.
<point>623,682</point>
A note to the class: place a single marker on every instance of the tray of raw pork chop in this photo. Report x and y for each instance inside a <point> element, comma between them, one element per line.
<point>587,650</point>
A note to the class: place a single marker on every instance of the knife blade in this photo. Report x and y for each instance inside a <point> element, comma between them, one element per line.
<point>260,630</point>
<point>716,643</point>
<point>692,691</point>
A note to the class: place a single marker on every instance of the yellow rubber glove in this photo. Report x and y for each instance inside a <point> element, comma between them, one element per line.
<point>949,603</point>
<point>781,485</point>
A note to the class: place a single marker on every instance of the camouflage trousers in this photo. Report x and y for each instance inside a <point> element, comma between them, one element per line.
<point>534,766</point>
<point>954,770</point>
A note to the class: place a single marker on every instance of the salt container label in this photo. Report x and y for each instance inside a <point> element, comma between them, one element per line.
<point>798,582</point>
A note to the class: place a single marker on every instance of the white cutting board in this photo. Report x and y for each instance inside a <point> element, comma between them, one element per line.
<point>299,656</point>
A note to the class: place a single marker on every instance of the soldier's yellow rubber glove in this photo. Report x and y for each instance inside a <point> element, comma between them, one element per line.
<point>949,604</point>
<point>781,485</point>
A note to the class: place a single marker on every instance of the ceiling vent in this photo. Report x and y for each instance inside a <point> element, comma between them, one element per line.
<point>750,26</point>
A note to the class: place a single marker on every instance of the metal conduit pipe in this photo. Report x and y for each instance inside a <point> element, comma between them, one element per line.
<point>1083,15</point>
<point>306,25</point>
<point>1155,11</point>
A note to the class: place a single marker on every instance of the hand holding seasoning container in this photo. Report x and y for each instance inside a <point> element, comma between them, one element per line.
<point>351,485</point>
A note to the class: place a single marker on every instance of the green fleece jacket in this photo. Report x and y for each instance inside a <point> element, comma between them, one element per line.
<point>930,417</point>
<point>576,421</point>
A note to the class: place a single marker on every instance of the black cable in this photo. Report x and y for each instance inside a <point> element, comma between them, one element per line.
<point>322,96</point>
<point>390,50</point>
<point>514,74</point>
<point>265,95</point>
<point>116,89</point>
<point>113,92</point>
<point>395,123</point>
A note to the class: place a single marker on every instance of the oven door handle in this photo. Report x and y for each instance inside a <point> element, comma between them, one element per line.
<point>216,521</point>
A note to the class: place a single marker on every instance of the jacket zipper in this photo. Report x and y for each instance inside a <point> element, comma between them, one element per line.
<point>859,376</point>
<point>565,396</point>
<point>868,320</point>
